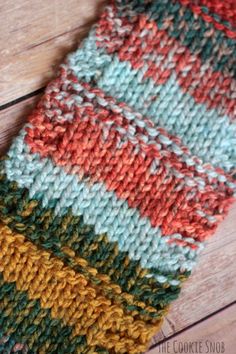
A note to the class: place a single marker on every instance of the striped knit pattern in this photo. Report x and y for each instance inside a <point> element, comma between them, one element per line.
<point>122,172</point>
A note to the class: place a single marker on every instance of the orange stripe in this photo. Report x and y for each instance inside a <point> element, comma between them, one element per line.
<point>157,196</point>
<point>191,80</point>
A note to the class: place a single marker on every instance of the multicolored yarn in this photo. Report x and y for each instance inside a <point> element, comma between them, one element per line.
<point>123,170</point>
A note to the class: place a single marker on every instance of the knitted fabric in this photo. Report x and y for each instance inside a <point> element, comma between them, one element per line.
<point>123,170</point>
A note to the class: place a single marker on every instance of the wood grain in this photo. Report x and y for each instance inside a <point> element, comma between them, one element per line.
<point>35,37</point>
<point>214,335</point>
<point>12,119</point>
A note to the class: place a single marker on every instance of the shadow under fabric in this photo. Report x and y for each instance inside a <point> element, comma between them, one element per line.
<point>122,172</point>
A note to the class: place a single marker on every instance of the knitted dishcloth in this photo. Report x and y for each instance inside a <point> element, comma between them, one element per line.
<point>121,173</point>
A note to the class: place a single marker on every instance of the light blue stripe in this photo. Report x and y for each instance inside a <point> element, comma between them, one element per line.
<point>137,138</point>
<point>133,233</point>
<point>140,139</point>
<point>90,60</point>
<point>207,134</point>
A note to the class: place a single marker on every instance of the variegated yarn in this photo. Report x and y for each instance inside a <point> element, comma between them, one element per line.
<point>123,170</point>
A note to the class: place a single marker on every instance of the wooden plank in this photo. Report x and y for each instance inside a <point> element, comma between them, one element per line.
<point>217,334</point>
<point>35,37</point>
<point>12,119</point>
<point>209,288</point>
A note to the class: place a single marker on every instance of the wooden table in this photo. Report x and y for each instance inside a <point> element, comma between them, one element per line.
<point>35,36</point>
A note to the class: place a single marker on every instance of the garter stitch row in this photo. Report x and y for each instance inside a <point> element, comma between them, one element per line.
<point>123,170</point>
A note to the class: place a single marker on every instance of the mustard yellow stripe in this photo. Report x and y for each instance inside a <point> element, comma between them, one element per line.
<point>71,297</point>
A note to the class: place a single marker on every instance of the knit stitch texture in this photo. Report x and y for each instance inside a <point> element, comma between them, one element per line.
<point>122,172</point>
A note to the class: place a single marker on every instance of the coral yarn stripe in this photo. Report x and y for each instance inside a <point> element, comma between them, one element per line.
<point>225,11</point>
<point>85,144</point>
<point>204,80</point>
<point>162,144</point>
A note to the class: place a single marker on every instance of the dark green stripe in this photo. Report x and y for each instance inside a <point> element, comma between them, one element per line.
<point>26,322</point>
<point>52,232</point>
